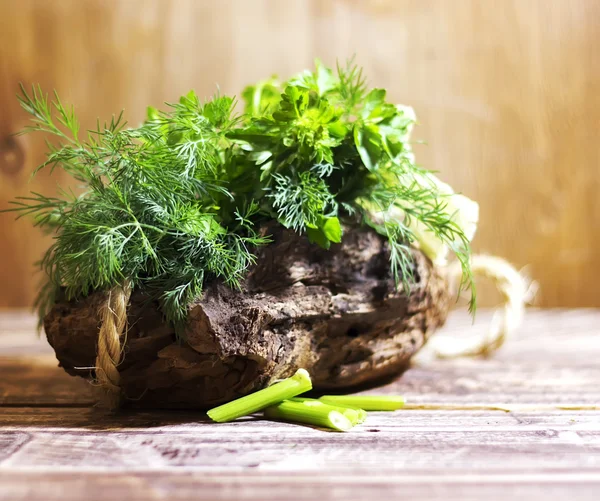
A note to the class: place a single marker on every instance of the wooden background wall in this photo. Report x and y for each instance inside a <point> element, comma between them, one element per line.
<point>507,91</point>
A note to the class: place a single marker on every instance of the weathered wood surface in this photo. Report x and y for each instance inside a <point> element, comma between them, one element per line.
<point>54,445</point>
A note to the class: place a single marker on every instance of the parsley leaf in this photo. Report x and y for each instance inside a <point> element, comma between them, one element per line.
<point>181,199</point>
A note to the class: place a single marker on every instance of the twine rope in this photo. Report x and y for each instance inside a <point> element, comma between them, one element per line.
<point>113,318</point>
<point>515,290</point>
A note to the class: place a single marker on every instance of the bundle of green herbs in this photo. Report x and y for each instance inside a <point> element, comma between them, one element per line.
<point>182,198</point>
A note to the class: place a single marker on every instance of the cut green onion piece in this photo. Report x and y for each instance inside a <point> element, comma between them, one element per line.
<point>288,388</point>
<point>298,412</point>
<point>362,415</point>
<point>355,415</point>
<point>366,402</point>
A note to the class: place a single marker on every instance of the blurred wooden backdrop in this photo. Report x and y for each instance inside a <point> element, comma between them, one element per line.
<point>507,92</point>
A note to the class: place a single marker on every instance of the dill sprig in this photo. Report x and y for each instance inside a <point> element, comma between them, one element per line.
<point>180,199</point>
<point>149,212</point>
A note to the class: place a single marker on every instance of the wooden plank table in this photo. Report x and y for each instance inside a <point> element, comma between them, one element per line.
<point>523,424</point>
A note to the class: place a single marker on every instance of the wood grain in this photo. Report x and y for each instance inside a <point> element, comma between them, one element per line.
<point>410,441</point>
<point>250,487</point>
<point>562,369</point>
<point>508,95</point>
<point>36,380</point>
<point>55,446</point>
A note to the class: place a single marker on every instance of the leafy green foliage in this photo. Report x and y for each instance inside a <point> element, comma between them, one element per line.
<point>150,212</point>
<point>180,199</point>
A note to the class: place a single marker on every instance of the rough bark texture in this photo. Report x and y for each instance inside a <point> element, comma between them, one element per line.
<point>335,313</point>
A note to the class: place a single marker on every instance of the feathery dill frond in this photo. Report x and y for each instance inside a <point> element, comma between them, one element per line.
<point>180,199</point>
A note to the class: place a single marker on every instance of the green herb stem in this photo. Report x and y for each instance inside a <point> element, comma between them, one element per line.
<point>299,383</point>
<point>366,402</point>
<point>323,416</point>
<point>355,415</point>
